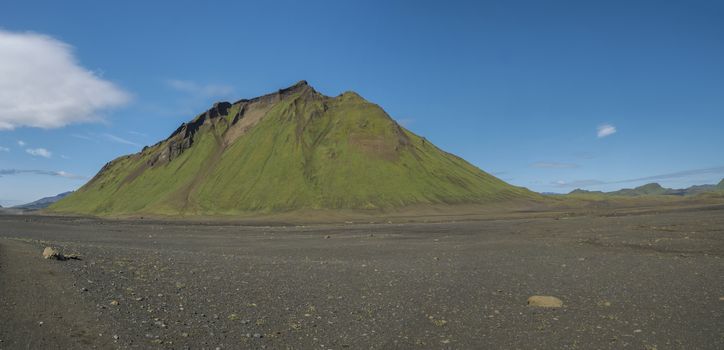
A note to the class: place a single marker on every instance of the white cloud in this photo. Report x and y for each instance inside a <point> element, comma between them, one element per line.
<point>202,90</point>
<point>605,130</point>
<point>4,149</point>
<point>39,152</point>
<point>43,85</point>
<point>21,143</point>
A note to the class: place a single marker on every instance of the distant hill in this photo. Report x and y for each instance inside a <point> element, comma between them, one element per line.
<point>292,149</point>
<point>653,189</point>
<point>648,189</point>
<point>43,203</point>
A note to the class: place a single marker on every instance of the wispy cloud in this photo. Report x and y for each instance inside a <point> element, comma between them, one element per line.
<point>553,165</point>
<point>406,122</point>
<point>82,137</point>
<point>202,90</point>
<point>577,183</point>
<point>6,172</point>
<point>43,85</point>
<point>106,137</point>
<point>666,176</point>
<point>21,143</point>
<point>117,139</point>
<point>138,133</point>
<point>39,152</point>
<point>605,130</point>
<point>676,175</point>
<point>4,149</point>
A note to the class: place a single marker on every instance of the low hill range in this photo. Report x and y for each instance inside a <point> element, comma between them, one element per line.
<point>654,189</point>
<point>43,203</point>
<point>292,149</point>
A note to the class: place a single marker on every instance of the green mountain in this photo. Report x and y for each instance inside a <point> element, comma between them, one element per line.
<point>721,185</point>
<point>293,149</point>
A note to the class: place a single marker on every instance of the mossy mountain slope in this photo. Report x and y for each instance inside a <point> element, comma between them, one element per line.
<point>293,149</point>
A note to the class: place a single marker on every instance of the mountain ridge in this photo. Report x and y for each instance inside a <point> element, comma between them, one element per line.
<point>42,203</point>
<point>653,189</point>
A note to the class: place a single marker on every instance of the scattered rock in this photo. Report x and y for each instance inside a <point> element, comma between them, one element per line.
<point>544,301</point>
<point>50,253</point>
<point>327,237</point>
<point>114,302</point>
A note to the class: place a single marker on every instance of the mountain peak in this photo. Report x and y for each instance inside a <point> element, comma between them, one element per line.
<point>297,87</point>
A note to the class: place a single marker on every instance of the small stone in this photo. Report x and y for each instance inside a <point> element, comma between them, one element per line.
<point>544,301</point>
<point>637,331</point>
<point>115,337</point>
<point>40,323</point>
<point>327,237</point>
<point>185,335</point>
<point>114,302</point>
<point>258,336</point>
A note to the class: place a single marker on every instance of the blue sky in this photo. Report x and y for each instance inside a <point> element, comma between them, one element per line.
<point>519,88</point>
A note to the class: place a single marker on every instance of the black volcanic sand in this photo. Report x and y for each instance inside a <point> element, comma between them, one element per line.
<point>647,281</point>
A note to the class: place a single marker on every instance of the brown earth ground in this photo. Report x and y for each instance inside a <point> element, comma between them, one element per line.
<point>629,276</point>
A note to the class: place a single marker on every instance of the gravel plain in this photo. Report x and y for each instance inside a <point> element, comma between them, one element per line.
<point>644,281</point>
